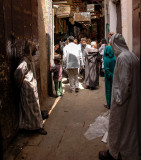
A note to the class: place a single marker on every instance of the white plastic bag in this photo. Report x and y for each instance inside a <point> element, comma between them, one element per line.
<point>105,138</point>
<point>99,127</point>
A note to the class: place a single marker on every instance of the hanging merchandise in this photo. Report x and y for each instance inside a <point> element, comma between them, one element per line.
<point>82,16</point>
<point>90,7</point>
<point>61,25</point>
<point>63,11</point>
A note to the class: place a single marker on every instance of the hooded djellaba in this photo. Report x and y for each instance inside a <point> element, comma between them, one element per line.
<point>109,65</point>
<point>125,114</point>
<point>30,118</point>
<point>91,66</point>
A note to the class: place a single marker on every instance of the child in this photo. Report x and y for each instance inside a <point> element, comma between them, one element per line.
<point>57,77</point>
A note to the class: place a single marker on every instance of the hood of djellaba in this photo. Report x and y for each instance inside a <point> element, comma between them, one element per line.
<point>118,44</point>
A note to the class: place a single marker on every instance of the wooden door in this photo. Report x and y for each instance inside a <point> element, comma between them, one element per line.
<point>18,22</point>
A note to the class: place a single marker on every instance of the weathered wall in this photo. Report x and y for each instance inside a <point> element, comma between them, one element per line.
<point>107,18</point>
<point>113,17</point>
<point>110,17</point>
<point>18,21</point>
<point>126,9</point>
<point>126,19</point>
<point>45,48</point>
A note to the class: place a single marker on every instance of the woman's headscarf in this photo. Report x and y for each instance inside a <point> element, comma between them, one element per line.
<point>108,52</point>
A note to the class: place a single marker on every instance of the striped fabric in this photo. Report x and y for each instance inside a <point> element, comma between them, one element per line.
<point>30,114</point>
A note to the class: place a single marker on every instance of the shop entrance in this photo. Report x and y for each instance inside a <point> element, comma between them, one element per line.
<point>79,18</point>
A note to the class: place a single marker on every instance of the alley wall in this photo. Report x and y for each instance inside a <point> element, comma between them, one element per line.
<point>107,17</point>
<point>126,19</point>
<point>126,8</point>
<point>113,17</point>
<point>45,32</point>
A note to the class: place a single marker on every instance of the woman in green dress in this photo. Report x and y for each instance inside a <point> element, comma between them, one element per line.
<point>109,65</point>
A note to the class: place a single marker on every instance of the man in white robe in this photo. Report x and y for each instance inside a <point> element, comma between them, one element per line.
<point>72,57</point>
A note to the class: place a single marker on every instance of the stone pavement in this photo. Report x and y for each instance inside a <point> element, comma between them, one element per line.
<point>69,119</point>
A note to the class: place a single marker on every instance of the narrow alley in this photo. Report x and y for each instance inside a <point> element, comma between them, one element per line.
<point>68,122</point>
<point>70,80</point>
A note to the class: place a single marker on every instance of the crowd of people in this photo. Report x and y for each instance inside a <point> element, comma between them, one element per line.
<point>82,59</point>
<point>90,59</point>
<point>120,68</point>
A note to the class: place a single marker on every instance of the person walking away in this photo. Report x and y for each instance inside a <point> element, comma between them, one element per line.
<point>30,118</point>
<point>91,67</point>
<point>125,114</point>
<point>101,51</point>
<point>73,59</point>
<point>57,77</point>
<point>109,65</point>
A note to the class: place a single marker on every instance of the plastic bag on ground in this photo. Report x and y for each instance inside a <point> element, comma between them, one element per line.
<point>99,127</point>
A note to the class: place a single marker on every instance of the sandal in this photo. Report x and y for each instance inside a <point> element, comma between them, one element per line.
<point>41,131</point>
